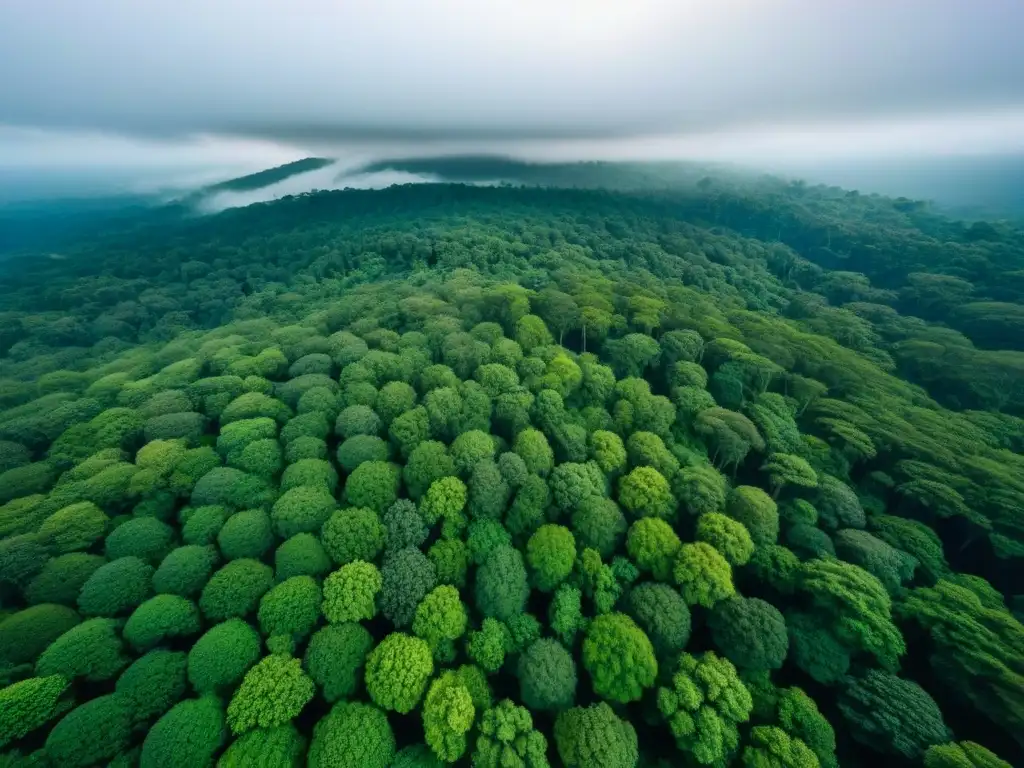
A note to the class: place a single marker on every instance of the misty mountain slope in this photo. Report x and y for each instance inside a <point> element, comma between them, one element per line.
<point>408,453</point>
<point>269,176</point>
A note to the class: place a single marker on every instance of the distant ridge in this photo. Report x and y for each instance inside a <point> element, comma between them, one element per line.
<point>269,176</point>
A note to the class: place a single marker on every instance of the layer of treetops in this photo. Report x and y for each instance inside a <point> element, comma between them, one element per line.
<point>514,478</point>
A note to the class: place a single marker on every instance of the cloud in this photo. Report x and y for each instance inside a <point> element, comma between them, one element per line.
<point>333,71</point>
<point>152,96</point>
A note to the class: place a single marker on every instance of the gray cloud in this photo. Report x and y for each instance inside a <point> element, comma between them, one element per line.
<point>320,71</point>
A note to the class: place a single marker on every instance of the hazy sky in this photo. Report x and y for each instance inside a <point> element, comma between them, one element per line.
<point>200,82</point>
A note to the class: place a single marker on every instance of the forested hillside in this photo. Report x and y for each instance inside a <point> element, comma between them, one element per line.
<point>722,473</point>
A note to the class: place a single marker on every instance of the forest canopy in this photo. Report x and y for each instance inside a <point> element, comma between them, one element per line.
<point>445,474</point>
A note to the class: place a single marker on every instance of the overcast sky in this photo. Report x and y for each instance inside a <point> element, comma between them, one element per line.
<point>197,83</point>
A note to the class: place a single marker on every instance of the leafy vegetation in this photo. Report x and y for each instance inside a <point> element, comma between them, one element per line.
<point>723,474</point>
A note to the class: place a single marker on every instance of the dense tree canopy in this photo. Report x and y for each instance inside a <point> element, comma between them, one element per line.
<point>702,475</point>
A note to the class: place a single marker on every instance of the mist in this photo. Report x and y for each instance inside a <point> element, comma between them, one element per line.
<point>113,96</point>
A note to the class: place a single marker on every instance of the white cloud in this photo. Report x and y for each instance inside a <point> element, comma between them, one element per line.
<point>305,68</point>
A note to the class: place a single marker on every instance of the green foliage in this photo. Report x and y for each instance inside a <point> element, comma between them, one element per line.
<point>357,450</point>
<point>91,733</point>
<point>607,450</point>
<point>774,566</point>
<point>353,534</point>
<point>279,747</point>
<point>565,613</point>
<point>770,746</point>
<point>37,477</point>
<point>837,505</point>
<point>488,491</point>
<point>644,492</point>
<point>815,649</point>
<point>450,558</point>
<point>894,715</point>
<point>235,589</point>
<point>533,448</point>
<point>662,614</point>
<point>159,619</point>
<point>727,536</point>
<point>484,537</point>
<point>964,754</point>
<point>572,483</point>
<point>703,707</point>
<point>810,542</point>
<point>528,510</point>
<point>62,578</point>
<point>190,734</point>
<point>311,472</point>
<point>469,448</point>
<point>786,469</point>
<point>153,684</point>
<point>756,510</point>
<point>857,607</point>
<point>448,714</point>
<point>357,420</point>
<point>373,484</point>
<point>915,539</point>
<point>397,671</point>
<point>272,693</point>
<point>29,704</point>
<point>291,609</point>
<point>488,645</point>
<point>185,570</point>
<point>74,527</point>
<point>428,461</point>
<point>91,650</point>
<point>403,526</point>
<point>232,488</point>
<point>352,733</point>
<point>750,633</point>
<point>501,584</point>
<point>889,565</point>
<point>335,658</point>
<point>410,429</point>
<point>406,578</point>
<point>441,620</point>
<point>221,657</point>
<point>116,588</point>
<point>203,524</point>
<point>977,648</point>
<point>301,555</point>
<point>648,449</point>
<point>444,501</point>
<point>595,736</point>
<point>262,458</point>
<point>599,524</point>
<point>252,405</point>
<point>246,534</point>
<point>703,575</point>
<point>653,546</point>
<point>508,738</point>
<point>798,512</point>
<point>28,632</point>
<point>550,553</point>
<point>547,676</point>
<point>350,592</point>
<point>619,657</point>
<point>21,558</point>
<point>302,510</point>
<point>196,426</point>
<point>798,715</point>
